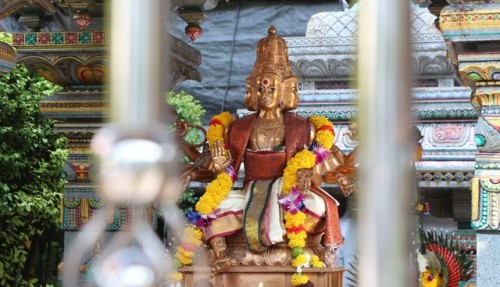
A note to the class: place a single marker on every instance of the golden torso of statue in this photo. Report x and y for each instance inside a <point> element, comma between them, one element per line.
<point>267,134</point>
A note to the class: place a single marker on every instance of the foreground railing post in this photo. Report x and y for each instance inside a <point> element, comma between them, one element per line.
<point>137,158</point>
<point>384,76</point>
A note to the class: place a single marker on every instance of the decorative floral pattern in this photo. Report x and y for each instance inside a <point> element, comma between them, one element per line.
<point>44,38</point>
<point>85,37</point>
<point>57,38</point>
<point>18,39</point>
<point>30,39</point>
<point>98,38</point>
<point>71,38</point>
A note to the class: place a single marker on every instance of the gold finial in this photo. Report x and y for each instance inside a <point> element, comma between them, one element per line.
<point>271,30</point>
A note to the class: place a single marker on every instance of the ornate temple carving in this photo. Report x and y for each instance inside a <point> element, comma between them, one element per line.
<point>8,7</point>
<point>327,54</point>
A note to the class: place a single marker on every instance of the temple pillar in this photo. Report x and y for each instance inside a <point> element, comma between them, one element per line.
<point>472,32</point>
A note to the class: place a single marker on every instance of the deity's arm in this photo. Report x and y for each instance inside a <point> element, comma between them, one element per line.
<point>337,168</point>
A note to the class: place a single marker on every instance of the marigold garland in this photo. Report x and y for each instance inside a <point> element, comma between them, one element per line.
<point>295,222</point>
<point>303,159</point>
<point>300,260</point>
<point>184,256</point>
<point>325,135</point>
<point>215,192</point>
<point>217,126</point>
<point>316,262</point>
<point>299,279</point>
<point>193,235</point>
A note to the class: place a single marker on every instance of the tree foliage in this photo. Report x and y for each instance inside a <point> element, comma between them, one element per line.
<point>188,109</point>
<point>31,159</point>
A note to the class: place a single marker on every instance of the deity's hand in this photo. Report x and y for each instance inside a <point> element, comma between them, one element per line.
<point>221,158</point>
<point>348,185</point>
<point>330,256</point>
<point>304,176</point>
<point>180,128</point>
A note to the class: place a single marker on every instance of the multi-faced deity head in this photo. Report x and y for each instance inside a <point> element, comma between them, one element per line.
<point>271,85</point>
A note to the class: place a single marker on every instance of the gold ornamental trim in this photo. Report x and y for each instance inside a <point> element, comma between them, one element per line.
<point>89,106</point>
<point>7,52</point>
<point>486,98</point>
<point>464,20</point>
<point>475,198</point>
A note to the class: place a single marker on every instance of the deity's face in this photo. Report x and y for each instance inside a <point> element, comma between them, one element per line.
<point>291,93</point>
<point>269,88</point>
<point>250,96</point>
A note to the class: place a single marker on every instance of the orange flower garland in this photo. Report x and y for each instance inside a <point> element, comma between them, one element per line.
<point>215,192</point>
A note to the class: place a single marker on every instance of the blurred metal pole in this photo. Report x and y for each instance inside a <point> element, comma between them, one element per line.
<point>138,51</point>
<point>384,76</point>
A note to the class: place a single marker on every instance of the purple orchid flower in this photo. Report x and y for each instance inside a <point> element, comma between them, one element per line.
<point>321,154</point>
<point>293,202</point>
<point>206,220</point>
<point>231,172</point>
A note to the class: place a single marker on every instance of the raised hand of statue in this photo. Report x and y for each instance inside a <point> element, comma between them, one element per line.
<point>348,185</point>
<point>221,158</point>
<point>330,256</point>
<point>304,176</point>
<point>180,128</point>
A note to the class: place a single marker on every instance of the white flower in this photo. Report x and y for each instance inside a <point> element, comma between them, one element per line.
<point>422,262</point>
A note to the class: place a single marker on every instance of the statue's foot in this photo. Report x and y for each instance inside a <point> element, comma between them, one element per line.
<point>330,256</point>
<point>220,265</point>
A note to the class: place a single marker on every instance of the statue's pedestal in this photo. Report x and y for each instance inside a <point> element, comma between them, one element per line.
<point>271,267</point>
<point>251,276</point>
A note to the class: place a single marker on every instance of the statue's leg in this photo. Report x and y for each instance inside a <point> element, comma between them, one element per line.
<point>222,261</point>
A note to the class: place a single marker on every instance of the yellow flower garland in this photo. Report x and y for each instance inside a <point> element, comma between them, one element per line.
<point>296,222</point>
<point>193,235</point>
<point>215,192</point>
<point>316,262</point>
<point>217,127</point>
<point>303,159</point>
<point>299,279</point>
<point>184,256</point>
<point>324,137</point>
<point>300,260</point>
